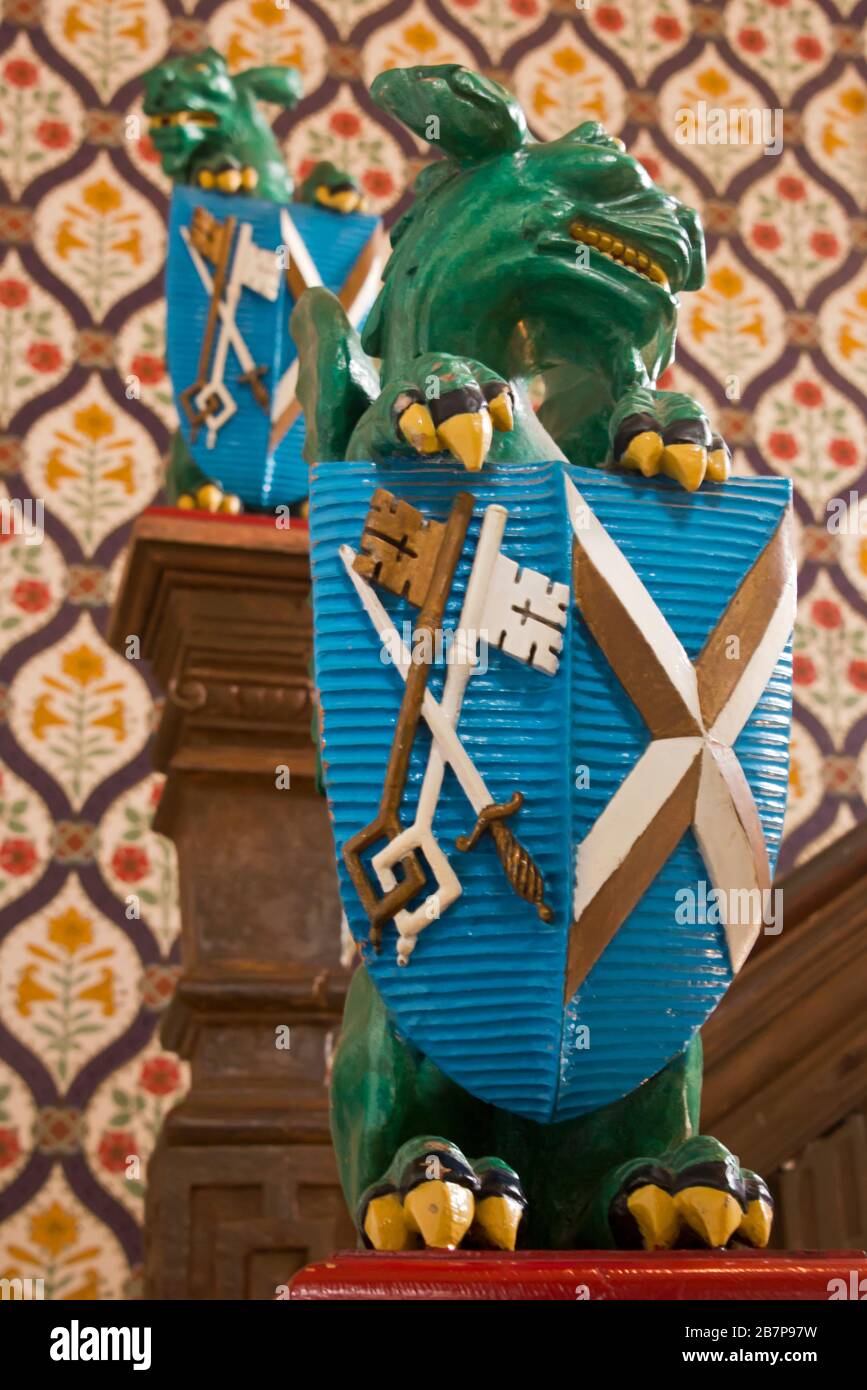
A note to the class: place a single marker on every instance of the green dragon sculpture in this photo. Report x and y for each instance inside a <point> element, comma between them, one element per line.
<point>559,262</point>
<point>208,130</point>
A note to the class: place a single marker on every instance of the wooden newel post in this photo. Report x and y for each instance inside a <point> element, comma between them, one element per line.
<point>242,1188</point>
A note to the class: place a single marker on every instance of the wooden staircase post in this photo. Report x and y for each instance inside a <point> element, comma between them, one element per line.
<point>242,1188</point>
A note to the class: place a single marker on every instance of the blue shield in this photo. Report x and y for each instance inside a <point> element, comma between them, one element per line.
<point>485,993</point>
<point>255,450</point>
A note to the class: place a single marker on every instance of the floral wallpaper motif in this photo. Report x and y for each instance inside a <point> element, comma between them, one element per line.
<point>775,345</point>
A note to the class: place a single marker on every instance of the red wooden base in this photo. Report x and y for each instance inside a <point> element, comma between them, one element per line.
<point>532,1274</point>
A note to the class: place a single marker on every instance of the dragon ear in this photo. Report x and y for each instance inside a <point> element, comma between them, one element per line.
<point>274,83</point>
<point>593,133</point>
<point>462,113</point>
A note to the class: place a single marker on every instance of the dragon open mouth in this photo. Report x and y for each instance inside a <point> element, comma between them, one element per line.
<point>173,118</point>
<point>617,250</point>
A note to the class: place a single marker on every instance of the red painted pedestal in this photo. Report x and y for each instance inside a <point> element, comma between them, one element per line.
<point>558,1275</point>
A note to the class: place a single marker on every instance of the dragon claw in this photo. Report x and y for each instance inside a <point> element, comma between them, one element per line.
<point>713,1215</point>
<point>663,432</point>
<point>719,460</point>
<point>210,498</point>
<point>418,429</point>
<point>344,199</point>
<point>500,1205</point>
<point>229,178</point>
<point>758,1219</point>
<point>655,1214</point>
<point>433,1196</point>
<point>442,1212</point>
<point>685,463</point>
<point>643,453</point>
<point>384,1223</point>
<point>460,420</point>
<point>696,1194</point>
<point>468,436</point>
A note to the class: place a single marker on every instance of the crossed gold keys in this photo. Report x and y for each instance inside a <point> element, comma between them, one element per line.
<point>688,775</point>
<point>415,558</point>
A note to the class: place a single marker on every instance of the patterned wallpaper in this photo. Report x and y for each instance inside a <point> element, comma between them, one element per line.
<point>775,345</point>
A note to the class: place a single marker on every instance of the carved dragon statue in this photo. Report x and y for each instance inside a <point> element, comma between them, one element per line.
<point>560,262</point>
<point>208,129</point>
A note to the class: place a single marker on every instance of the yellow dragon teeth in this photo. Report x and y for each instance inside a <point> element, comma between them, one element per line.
<point>183,118</point>
<point>618,251</point>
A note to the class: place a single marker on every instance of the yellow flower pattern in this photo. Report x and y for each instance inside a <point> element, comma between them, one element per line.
<point>102,235</point>
<point>80,711</point>
<point>68,982</point>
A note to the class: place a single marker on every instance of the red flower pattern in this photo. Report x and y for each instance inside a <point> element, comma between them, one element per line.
<point>54,135</point>
<point>19,73</point>
<point>766,236</point>
<point>610,18</point>
<point>857,674</point>
<point>14,294</point>
<point>31,595</point>
<point>377,183</point>
<point>18,857</point>
<point>842,452</point>
<point>345,123</point>
<point>44,357</point>
<point>826,614</point>
<point>803,670</point>
<point>783,445</point>
<point>10,1147</point>
<point>824,244</point>
<point>160,1076</point>
<point>808,393</point>
<point>115,1147</point>
<point>130,863</point>
<point>150,370</point>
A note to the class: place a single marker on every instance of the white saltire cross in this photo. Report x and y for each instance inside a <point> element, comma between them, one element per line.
<point>689,774</point>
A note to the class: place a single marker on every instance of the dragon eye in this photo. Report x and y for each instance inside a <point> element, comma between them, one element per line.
<point>201,67</point>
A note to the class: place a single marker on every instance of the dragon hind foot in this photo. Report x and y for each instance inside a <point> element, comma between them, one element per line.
<point>434,1197</point>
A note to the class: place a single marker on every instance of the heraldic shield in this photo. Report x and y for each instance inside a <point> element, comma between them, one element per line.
<point>236,266</point>
<point>556,846</point>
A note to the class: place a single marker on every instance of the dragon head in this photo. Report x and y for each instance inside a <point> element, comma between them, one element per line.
<point>197,108</point>
<point>559,257</point>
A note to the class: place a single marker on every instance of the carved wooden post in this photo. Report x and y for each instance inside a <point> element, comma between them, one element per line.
<point>242,1187</point>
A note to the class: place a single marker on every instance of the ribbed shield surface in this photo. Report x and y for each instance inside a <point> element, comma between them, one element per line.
<point>485,992</point>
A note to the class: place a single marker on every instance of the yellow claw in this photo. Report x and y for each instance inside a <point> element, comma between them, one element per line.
<point>498,1219</point>
<point>442,1212</point>
<point>719,465</point>
<point>500,409</point>
<point>655,1215</point>
<point>186,503</point>
<point>644,452</point>
<point>385,1224</point>
<point>231,504</point>
<point>686,463</point>
<point>209,497</point>
<point>347,200</point>
<point>249,178</point>
<point>206,179</point>
<point>418,429</point>
<point>229,180</point>
<point>468,436</point>
<point>755,1225</point>
<point>714,1215</point>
